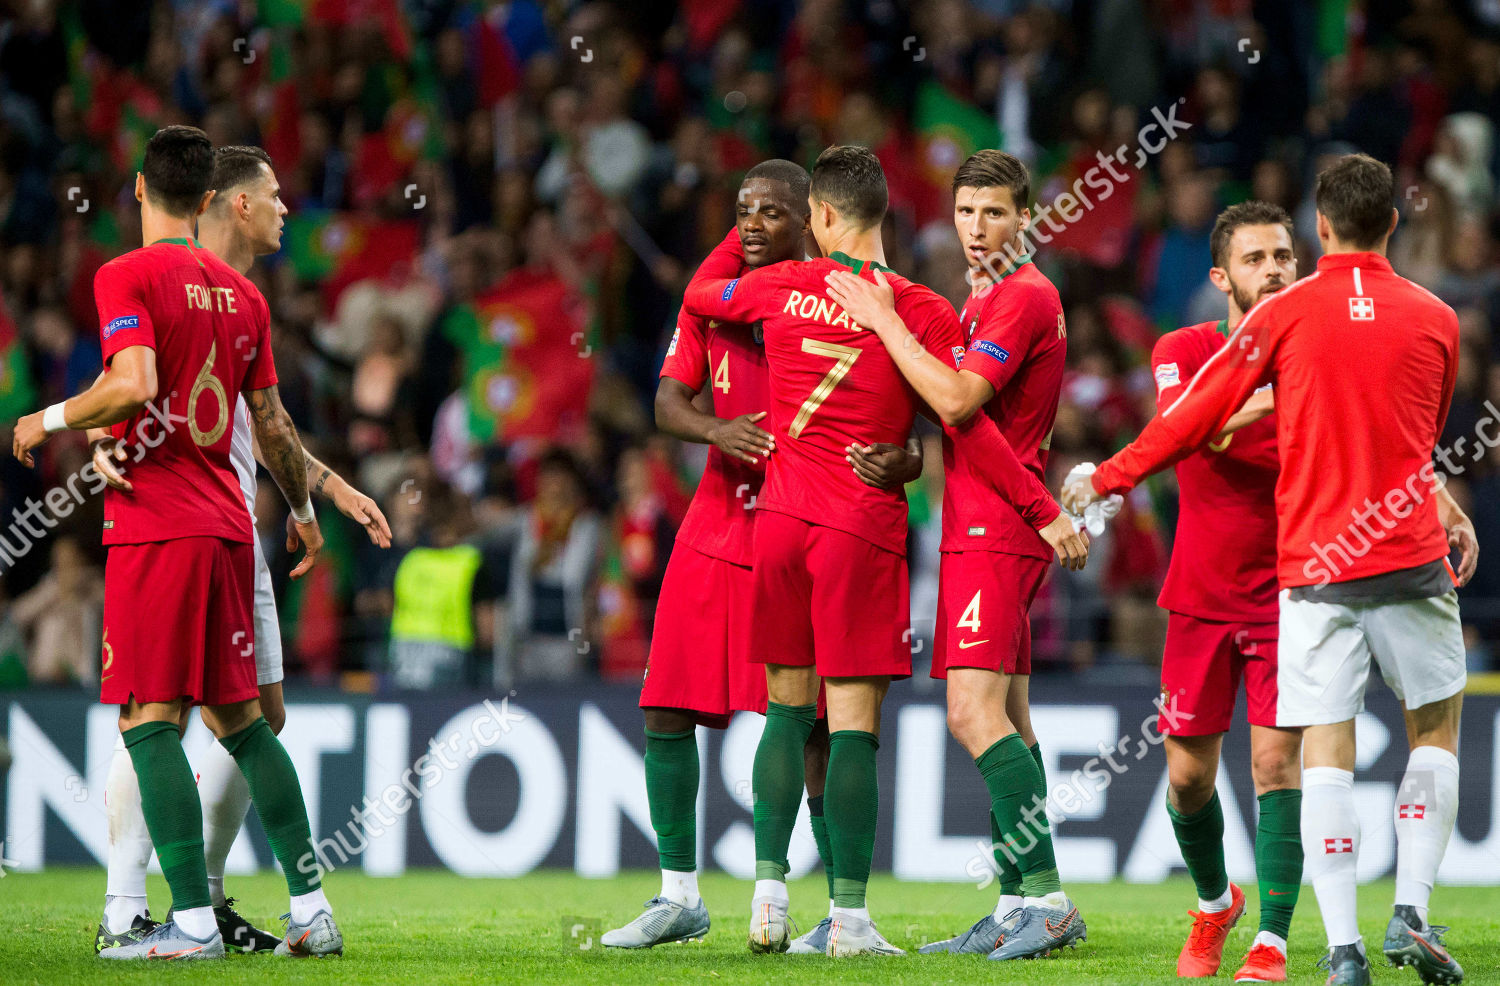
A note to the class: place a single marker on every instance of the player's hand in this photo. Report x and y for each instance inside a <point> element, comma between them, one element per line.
<point>739,438</point>
<point>309,536</point>
<point>883,465</point>
<point>29,434</point>
<point>869,304</point>
<point>1072,546</point>
<point>1461,536</point>
<point>109,456</point>
<point>363,511</point>
<point>1078,489</point>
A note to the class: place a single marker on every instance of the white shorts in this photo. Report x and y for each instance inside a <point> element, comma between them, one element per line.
<point>267,626</point>
<point>1325,652</point>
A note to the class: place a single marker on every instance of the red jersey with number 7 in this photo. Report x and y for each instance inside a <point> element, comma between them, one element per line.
<point>728,358</point>
<point>210,329</point>
<point>832,385</point>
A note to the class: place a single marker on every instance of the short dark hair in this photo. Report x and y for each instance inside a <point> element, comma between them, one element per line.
<point>794,175</point>
<point>850,179</point>
<point>1357,194</point>
<point>1251,213</point>
<point>990,168</point>
<point>179,166</point>
<point>235,165</point>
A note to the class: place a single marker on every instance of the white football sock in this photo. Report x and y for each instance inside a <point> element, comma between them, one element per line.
<point>1218,904</point>
<point>120,913</point>
<point>1330,846</point>
<point>1272,939</point>
<point>1006,904</point>
<point>226,798</point>
<point>1426,807</point>
<point>196,922</point>
<point>830,907</point>
<point>774,889</point>
<point>850,913</point>
<point>680,888</point>
<point>129,840</point>
<point>306,906</point>
<point>1055,900</point>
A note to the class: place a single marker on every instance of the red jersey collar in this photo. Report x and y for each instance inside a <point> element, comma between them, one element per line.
<point>1343,261</point>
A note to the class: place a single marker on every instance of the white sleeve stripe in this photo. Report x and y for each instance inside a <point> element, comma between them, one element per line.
<point>1238,329</point>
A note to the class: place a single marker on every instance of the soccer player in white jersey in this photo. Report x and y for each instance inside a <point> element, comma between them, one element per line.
<point>243,221</point>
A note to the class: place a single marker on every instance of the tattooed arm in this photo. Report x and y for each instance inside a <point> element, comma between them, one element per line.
<point>286,460</point>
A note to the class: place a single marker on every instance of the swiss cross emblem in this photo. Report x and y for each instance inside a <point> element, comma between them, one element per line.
<point>1362,309</point>
<point>1411,811</point>
<point>1331,846</point>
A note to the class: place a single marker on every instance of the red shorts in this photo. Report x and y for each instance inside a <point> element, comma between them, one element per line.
<point>179,622</point>
<point>983,611</point>
<point>829,599</point>
<point>1201,669</point>
<point>700,647</point>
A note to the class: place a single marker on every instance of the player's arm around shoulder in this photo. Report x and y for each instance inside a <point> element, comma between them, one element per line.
<point>286,460</point>
<point>924,344</point>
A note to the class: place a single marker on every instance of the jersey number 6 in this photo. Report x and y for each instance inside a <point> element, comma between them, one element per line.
<point>846,355</point>
<point>206,381</point>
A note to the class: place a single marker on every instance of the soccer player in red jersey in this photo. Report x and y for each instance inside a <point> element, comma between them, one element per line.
<point>1363,362</point>
<point>243,221</point>
<point>179,324</point>
<point>1220,593</point>
<point>830,576</point>
<point>700,670</point>
<point>993,559</point>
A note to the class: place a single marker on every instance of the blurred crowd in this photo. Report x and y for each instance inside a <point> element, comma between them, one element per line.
<point>495,207</point>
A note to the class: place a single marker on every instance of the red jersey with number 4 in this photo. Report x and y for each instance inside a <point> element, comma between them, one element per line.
<point>210,328</point>
<point>729,359</point>
<point>1224,556</point>
<point>1016,340</point>
<point>832,385</point>
<point>1364,363</point>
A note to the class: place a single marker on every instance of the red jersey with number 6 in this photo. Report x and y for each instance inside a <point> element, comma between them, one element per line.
<point>728,357</point>
<point>1224,556</point>
<point>832,385</point>
<point>210,328</point>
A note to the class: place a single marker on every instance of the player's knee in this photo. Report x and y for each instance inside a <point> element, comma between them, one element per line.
<point>1192,784</point>
<point>1275,769</point>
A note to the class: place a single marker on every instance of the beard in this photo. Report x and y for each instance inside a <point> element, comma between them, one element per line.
<point>1245,301</point>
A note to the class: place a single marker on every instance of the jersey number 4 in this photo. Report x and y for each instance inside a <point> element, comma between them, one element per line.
<point>846,355</point>
<point>721,375</point>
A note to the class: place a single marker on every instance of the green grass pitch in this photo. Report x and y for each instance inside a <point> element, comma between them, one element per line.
<point>431,927</point>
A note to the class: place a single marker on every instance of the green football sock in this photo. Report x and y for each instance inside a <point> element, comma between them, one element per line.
<point>1200,836</point>
<point>852,803</point>
<point>277,796</point>
<point>1018,803</point>
<point>1278,858</point>
<point>820,836</point>
<point>776,784</point>
<point>672,791</point>
<point>174,816</point>
<point>1010,874</point>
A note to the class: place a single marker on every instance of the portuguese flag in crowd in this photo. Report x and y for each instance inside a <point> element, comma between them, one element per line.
<point>623,642</point>
<point>948,130</point>
<point>17,390</point>
<point>528,361</point>
<point>336,249</point>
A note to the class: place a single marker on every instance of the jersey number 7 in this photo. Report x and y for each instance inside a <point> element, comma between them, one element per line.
<point>846,355</point>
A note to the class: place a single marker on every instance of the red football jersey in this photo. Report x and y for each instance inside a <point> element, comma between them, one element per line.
<point>728,356</point>
<point>1224,556</point>
<point>1016,340</point>
<point>832,385</point>
<point>1364,363</point>
<point>210,328</point>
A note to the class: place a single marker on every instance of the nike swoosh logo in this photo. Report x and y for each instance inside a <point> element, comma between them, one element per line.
<point>1278,893</point>
<point>1437,953</point>
<point>154,954</point>
<point>966,644</point>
